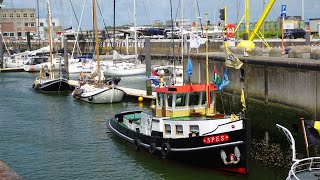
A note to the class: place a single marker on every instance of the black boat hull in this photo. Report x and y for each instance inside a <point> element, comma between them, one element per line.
<point>54,85</point>
<point>193,150</point>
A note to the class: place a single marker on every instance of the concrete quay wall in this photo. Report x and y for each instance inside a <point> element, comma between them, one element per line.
<point>287,81</point>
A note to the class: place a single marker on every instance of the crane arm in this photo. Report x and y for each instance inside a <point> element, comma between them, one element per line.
<point>261,20</point>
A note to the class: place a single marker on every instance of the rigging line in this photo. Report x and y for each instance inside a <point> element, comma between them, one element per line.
<point>77,36</point>
<point>177,10</point>
<point>129,12</point>
<point>172,39</point>
<point>104,23</point>
<point>199,16</point>
<point>147,13</point>
<point>75,15</point>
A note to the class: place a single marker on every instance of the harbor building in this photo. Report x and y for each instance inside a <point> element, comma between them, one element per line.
<point>43,27</point>
<point>17,22</point>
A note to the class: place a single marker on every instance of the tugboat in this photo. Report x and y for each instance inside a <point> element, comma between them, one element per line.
<point>183,126</point>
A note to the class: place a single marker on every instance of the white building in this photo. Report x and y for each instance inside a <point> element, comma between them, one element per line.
<point>43,27</point>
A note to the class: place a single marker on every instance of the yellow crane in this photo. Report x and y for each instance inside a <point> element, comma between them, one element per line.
<point>248,44</point>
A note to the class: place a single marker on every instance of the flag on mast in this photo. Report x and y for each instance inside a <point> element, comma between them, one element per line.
<point>189,69</point>
<point>225,81</point>
<point>216,78</point>
<point>243,101</point>
<point>196,41</point>
<point>232,60</point>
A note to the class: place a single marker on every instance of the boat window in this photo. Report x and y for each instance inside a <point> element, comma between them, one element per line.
<point>179,129</point>
<point>158,99</point>
<point>170,97</point>
<point>194,98</point>
<point>180,100</point>
<point>204,98</point>
<point>194,128</point>
<point>167,128</point>
<point>211,96</point>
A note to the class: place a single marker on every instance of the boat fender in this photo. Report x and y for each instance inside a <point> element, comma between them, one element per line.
<point>33,85</point>
<point>137,144</point>
<point>152,148</point>
<point>90,98</point>
<point>165,149</point>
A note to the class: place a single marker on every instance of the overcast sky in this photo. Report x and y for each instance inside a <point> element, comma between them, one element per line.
<point>150,10</point>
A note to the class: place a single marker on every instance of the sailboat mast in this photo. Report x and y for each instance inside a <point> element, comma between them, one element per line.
<point>207,64</point>
<point>96,37</point>
<point>182,39</point>
<point>38,24</point>
<point>49,36</point>
<point>135,30</point>
<point>114,25</point>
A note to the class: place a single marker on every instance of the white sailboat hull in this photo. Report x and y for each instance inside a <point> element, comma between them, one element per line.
<point>36,67</point>
<point>100,95</point>
<point>125,71</point>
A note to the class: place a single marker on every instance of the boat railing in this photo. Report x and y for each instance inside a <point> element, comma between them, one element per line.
<point>306,165</point>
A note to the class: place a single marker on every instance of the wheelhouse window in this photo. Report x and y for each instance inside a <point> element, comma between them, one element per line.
<point>179,129</point>
<point>194,98</point>
<point>204,98</point>
<point>160,99</point>
<point>167,128</point>
<point>194,128</point>
<point>170,97</point>
<point>181,100</point>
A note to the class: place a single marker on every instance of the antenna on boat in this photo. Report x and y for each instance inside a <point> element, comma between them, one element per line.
<point>207,64</point>
<point>135,30</point>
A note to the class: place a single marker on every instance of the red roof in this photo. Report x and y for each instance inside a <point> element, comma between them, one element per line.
<point>185,88</point>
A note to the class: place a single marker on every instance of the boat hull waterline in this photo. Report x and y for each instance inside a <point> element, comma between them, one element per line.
<point>52,85</point>
<point>205,151</point>
<point>101,96</point>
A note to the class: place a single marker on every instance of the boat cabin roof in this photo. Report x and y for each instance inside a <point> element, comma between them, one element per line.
<point>185,88</point>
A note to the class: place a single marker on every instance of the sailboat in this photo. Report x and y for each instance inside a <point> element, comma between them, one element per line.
<point>184,125</point>
<point>46,80</point>
<point>122,65</point>
<point>98,91</point>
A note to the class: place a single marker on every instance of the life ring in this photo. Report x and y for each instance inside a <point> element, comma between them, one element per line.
<point>137,144</point>
<point>152,148</point>
<point>90,98</point>
<point>165,149</point>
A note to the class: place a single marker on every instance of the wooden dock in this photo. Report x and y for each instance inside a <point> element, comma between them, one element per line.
<point>12,70</point>
<point>129,91</point>
<point>138,93</point>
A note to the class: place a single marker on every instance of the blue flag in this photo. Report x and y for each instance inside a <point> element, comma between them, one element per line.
<point>189,70</point>
<point>225,81</point>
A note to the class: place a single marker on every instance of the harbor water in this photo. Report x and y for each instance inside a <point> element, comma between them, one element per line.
<point>52,136</point>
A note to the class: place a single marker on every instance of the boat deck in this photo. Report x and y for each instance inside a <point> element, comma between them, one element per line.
<point>310,175</point>
<point>129,91</point>
<point>138,93</point>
